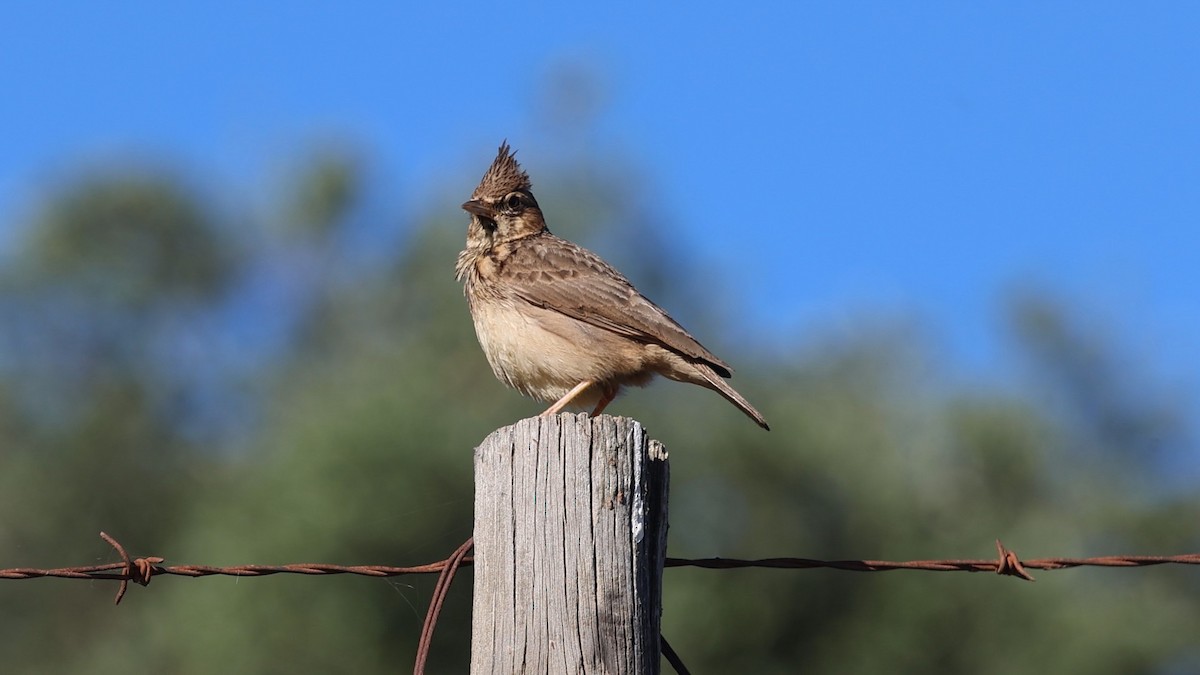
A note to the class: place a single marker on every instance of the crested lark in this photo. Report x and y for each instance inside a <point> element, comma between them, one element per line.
<point>556,322</point>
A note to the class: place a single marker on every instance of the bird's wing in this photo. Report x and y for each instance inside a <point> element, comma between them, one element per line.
<point>556,274</point>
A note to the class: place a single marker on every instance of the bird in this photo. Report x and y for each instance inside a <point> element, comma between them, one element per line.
<point>555,321</point>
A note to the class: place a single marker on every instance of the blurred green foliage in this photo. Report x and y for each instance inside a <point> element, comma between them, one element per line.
<point>213,388</point>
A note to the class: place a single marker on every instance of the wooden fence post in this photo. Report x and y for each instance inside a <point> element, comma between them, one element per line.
<point>570,538</point>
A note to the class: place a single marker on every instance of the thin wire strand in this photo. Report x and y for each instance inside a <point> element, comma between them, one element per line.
<point>671,656</point>
<point>435,604</point>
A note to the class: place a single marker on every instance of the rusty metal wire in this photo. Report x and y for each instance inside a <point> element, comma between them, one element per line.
<point>141,570</point>
<point>439,598</point>
<point>1007,563</point>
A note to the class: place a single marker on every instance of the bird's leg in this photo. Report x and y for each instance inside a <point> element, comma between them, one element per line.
<point>609,394</point>
<point>566,400</point>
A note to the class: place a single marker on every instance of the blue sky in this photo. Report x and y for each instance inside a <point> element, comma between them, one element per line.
<point>827,160</point>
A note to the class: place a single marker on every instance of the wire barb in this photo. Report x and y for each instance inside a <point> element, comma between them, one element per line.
<point>140,570</point>
<point>1010,564</point>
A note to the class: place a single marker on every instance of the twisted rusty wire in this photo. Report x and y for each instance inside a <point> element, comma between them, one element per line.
<point>141,570</point>
<point>449,569</point>
<point>1007,563</point>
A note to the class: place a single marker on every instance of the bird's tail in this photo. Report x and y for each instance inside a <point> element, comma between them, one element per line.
<point>711,379</point>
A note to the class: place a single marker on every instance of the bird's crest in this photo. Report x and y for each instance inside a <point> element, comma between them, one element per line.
<point>503,176</point>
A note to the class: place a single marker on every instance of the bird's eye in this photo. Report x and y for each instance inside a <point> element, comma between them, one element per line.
<point>513,202</point>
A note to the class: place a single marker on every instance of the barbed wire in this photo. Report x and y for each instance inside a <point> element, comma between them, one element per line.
<point>1007,563</point>
<point>141,570</point>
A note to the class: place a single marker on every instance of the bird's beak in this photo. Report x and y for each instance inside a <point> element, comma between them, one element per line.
<point>480,209</point>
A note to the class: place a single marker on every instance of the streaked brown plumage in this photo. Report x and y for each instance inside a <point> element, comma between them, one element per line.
<point>556,322</point>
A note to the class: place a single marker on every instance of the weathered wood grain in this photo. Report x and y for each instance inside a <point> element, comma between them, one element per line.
<point>570,537</point>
